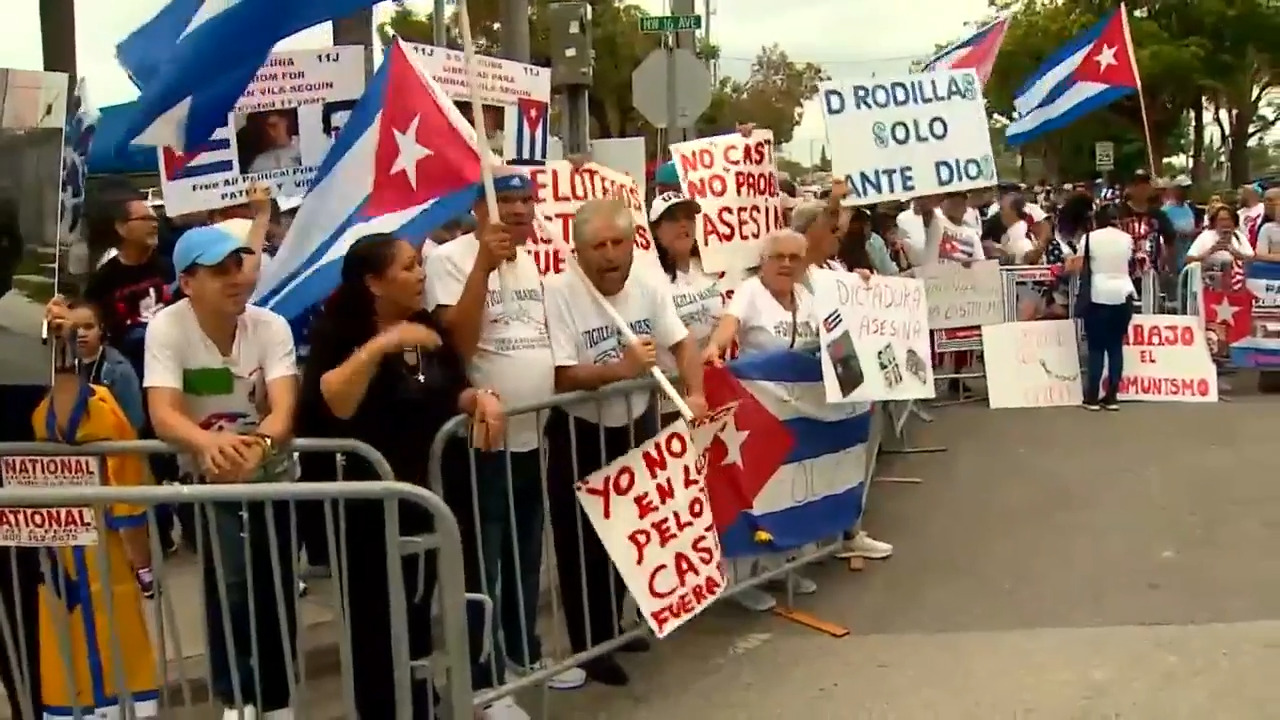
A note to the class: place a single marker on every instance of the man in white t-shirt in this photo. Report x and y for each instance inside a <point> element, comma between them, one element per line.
<point>1268,247</point>
<point>913,224</point>
<point>591,355</point>
<point>221,383</point>
<point>505,344</point>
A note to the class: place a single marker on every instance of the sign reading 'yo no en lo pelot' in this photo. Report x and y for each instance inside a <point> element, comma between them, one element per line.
<point>901,137</point>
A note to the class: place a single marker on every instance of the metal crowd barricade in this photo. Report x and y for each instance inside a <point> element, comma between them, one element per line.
<point>114,641</point>
<point>467,485</point>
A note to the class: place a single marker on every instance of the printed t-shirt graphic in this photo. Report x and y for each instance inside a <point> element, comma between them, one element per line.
<point>77,601</point>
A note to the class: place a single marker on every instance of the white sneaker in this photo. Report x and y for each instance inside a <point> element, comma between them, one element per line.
<point>802,585</point>
<point>570,679</point>
<point>251,713</point>
<point>864,546</point>
<point>281,714</point>
<point>505,709</point>
<point>755,599</point>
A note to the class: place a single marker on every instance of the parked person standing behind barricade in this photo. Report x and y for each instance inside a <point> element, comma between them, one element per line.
<point>1249,216</point>
<point>1104,304</point>
<point>699,296</point>
<point>1219,248</point>
<point>817,221</point>
<point>590,354</point>
<point>1154,238</point>
<point>505,344</point>
<point>381,372</point>
<point>221,382</point>
<point>91,601</point>
<point>1183,218</point>
<point>1268,247</point>
<point>862,249</point>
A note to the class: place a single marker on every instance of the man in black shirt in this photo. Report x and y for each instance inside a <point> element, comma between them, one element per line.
<point>1153,233</point>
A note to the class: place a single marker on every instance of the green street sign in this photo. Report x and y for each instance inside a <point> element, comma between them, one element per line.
<point>670,23</point>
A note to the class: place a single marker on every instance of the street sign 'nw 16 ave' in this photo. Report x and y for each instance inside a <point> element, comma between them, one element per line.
<point>670,23</point>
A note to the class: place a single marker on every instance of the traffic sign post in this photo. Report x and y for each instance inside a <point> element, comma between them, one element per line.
<point>651,24</point>
<point>1104,155</point>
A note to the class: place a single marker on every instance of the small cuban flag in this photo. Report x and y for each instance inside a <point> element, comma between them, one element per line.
<point>215,157</point>
<point>529,123</point>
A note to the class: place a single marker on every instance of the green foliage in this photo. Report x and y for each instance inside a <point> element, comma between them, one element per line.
<point>772,96</point>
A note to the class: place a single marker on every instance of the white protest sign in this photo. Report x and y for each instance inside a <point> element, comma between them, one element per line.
<point>278,132</point>
<point>651,511</point>
<point>874,335</point>
<point>896,138</point>
<point>962,296</point>
<point>49,526</point>
<point>626,154</point>
<point>735,180</point>
<point>502,82</point>
<point>1165,360</point>
<point>1032,364</point>
<point>560,189</point>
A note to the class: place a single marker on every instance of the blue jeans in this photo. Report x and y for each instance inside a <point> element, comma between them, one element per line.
<point>253,611</point>
<point>1105,327</point>
<point>504,557</point>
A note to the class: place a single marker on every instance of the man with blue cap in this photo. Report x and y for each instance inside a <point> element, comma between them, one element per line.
<point>221,384</point>
<point>485,288</point>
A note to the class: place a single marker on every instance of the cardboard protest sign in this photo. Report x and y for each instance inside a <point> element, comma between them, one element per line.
<point>901,137</point>
<point>962,296</point>
<point>652,513</point>
<point>49,526</point>
<point>1032,364</point>
<point>1165,360</point>
<point>516,99</point>
<point>875,337</point>
<point>560,189</point>
<point>278,132</point>
<point>735,180</point>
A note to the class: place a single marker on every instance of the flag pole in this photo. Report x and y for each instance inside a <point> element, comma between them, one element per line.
<point>505,280</point>
<point>1142,102</point>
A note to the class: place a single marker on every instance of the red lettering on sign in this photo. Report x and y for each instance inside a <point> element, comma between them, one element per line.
<point>619,485</point>
<point>1163,386</point>
<point>691,588</point>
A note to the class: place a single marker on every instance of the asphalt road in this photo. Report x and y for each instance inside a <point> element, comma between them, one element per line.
<point>1053,564</point>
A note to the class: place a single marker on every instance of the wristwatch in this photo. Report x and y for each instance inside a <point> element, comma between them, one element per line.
<point>268,442</point>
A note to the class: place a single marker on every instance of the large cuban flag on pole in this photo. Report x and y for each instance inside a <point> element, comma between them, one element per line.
<point>818,491</point>
<point>405,163</point>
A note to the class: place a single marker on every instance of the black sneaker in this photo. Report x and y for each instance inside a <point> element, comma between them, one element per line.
<point>606,670</point>
<point>1091,405</point>
<point>1111,405</point>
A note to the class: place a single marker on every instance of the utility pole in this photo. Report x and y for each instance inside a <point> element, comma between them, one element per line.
<point>712,63</point>
<point>572,65</point>
<point>687,40</point>
<point>357,29</point>
<point>58,38</point>
<point>439,37</point>
<point>515,30</point>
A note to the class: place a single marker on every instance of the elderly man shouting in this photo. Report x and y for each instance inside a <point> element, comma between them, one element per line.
<point>590,354</point>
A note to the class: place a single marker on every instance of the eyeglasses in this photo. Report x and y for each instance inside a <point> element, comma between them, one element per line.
<point>791,258</point>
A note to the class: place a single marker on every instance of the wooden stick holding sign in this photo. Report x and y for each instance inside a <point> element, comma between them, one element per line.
<point>505,280</point>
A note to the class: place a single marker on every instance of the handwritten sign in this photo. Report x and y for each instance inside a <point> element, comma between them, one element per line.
<point>901,137</point>
<point>874,336</point>
<point>651,511</point>
<point>1165,361</point>
<point>278,132</point>
<point>1032,364</point>
<point>735,180</point>
<point>502,82</point>
<point>560,189</point>
<point>963,297</point>
<point>48,526</point>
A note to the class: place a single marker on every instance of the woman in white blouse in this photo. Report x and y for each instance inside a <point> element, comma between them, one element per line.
<point>1105,304</point>
<point>698,295</point>
<point>1220,246</point>
<point>770,311</point>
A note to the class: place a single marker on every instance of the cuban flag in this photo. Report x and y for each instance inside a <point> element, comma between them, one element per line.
<point>977,52</point>
<point>1093,70</point>
<point>405,163</point>
<point>82,121</point>
<point>215,157</point>
<point>194,58</point>
<point>1248,320</point>
<point>527,143</point>
<point>789,469</point>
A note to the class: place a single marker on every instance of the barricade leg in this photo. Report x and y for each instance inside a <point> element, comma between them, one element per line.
<point>19,607</point>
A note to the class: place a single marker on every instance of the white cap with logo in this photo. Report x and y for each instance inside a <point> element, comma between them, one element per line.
<point>668,200</point>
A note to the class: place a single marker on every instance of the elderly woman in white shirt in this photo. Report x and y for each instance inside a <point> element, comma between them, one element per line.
<point>1105,304</point>
<point>1220,246</point>
<point>770,311</point>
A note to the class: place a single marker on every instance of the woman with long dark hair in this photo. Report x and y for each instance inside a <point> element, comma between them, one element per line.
<point>1104,303</point>
<point>381,371</point>
<point>699,296</point>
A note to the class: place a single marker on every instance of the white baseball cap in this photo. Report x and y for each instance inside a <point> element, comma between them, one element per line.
<point>1182,181</point>
<point>668,200</point>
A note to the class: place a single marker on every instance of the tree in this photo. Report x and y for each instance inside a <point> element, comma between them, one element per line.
<point>772,96</point>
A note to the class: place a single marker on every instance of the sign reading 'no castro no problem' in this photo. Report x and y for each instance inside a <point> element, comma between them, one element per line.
<point>896,138</point>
